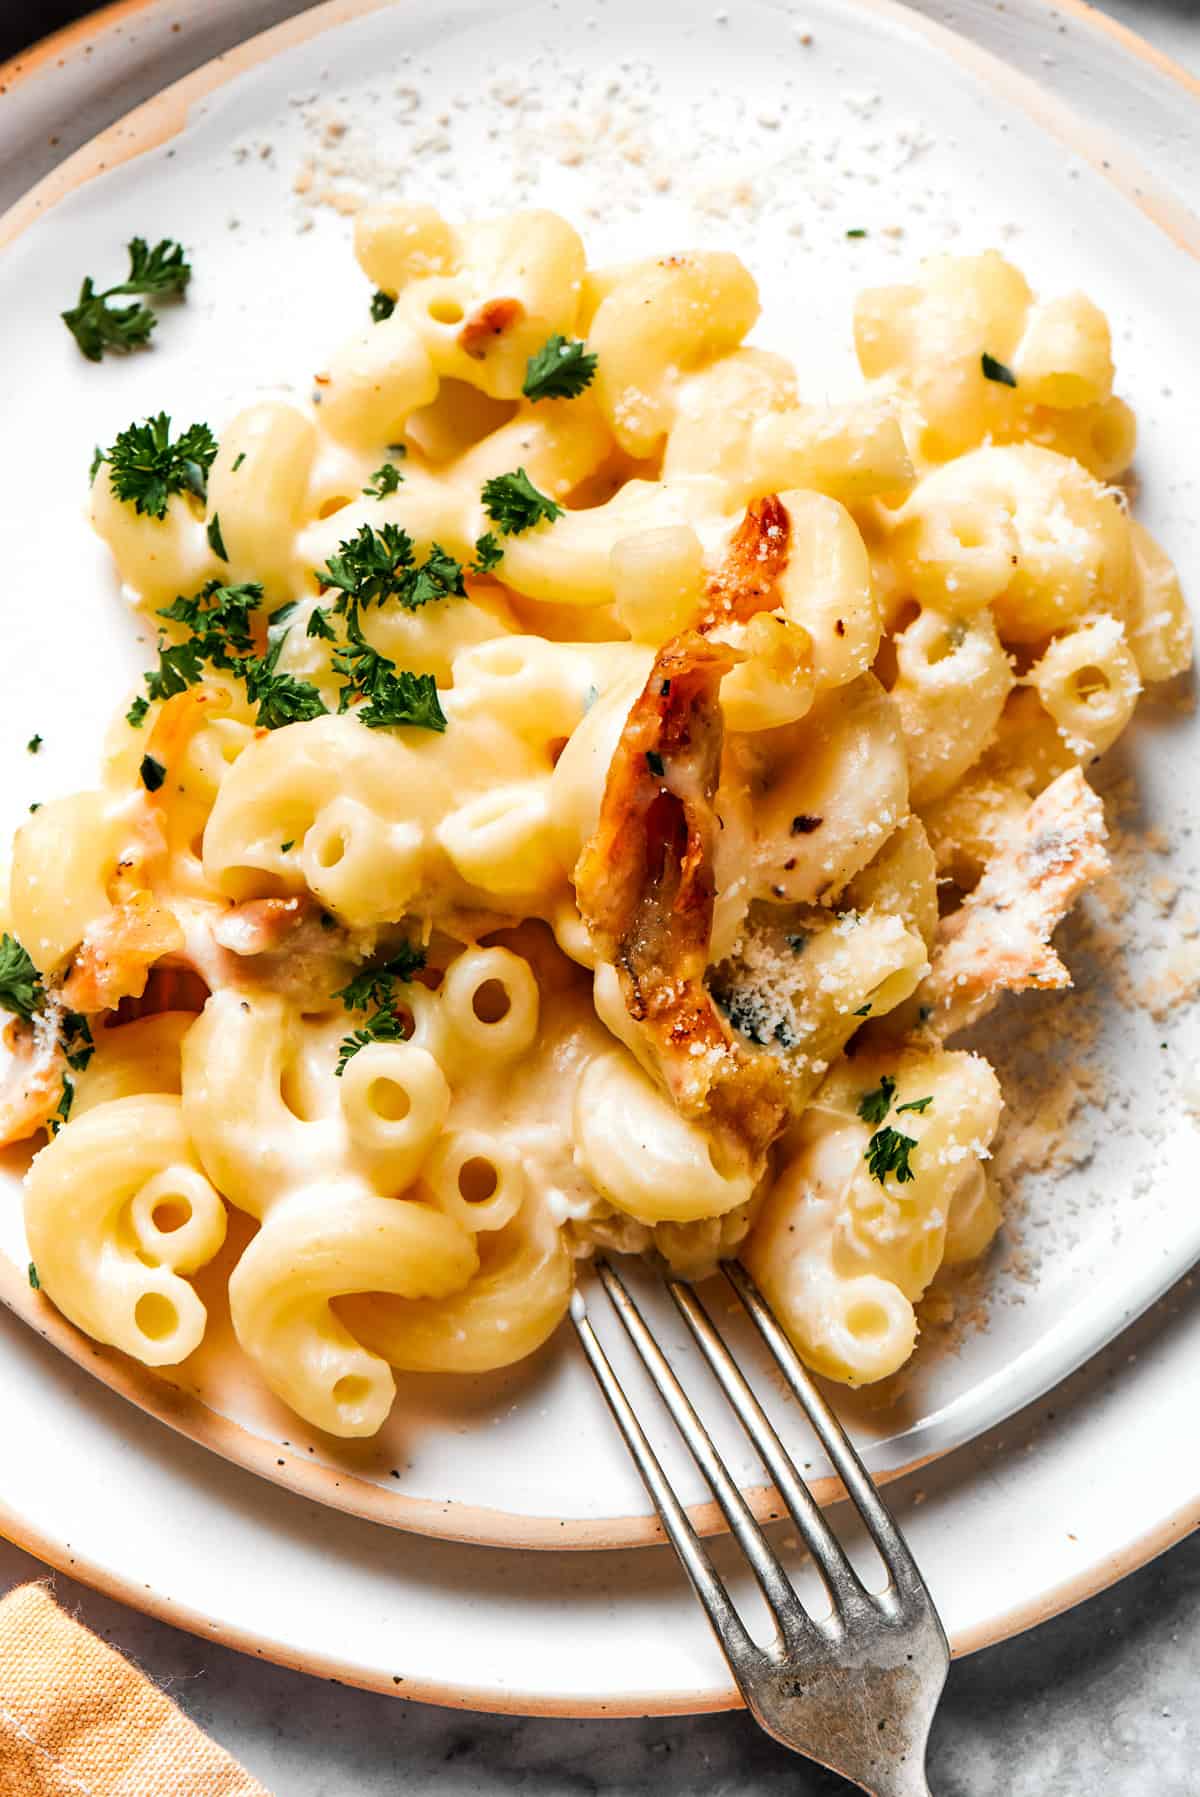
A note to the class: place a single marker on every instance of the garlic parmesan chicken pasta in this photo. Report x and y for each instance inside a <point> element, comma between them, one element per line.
<point>583,788</point>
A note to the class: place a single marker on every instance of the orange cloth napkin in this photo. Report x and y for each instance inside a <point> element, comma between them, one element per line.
<point>76,1720</point>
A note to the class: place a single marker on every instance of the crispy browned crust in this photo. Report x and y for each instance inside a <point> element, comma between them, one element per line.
<point>748,579</point>
<point>645,886</point>
<point>490,320</point>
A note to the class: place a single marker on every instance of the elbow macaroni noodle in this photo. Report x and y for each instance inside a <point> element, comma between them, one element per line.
<point>930,605</point>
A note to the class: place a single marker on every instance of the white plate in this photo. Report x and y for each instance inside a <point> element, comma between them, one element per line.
<point>953,139</point>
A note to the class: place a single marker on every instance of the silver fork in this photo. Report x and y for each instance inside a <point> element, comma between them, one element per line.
<point>856,1691</point>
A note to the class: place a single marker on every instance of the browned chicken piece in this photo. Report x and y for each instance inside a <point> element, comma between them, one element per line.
<point>747,580</point>
<point>999,938</point>
<point>645,886</point>
<point>117,952</point>
<point>262,926</point>
<point>33,1081</point>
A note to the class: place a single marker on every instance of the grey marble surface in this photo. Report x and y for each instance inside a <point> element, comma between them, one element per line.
<point>1104,1700</point>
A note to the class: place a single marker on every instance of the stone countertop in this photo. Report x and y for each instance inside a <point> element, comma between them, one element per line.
<point>1105,1699</point>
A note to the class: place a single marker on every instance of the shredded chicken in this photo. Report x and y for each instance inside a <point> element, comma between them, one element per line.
<point>645,886</point>
<point>747,580</point>
<point>33,1081</point>
<point>999,938</point>
<point>117,952</point>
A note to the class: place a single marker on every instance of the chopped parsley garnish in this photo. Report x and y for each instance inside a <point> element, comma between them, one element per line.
<point>489,553</point>
<point>385,480</point>
<point>797,944</point>
<point>382,305</point>
<point>997,371</point>
<point>34,1281</point>
<point>404,698</point>
<point>97,458</point>
<point>561,369</point>
<point>218,618</point>
<point>136,715</point>
<point>75,1036</point>
<point>805,824</point>
<point>238,460</point>
<point>145,467</point>
<point>513,503</point>
<point>864,1010</point>
<point>856,232</point>
<point>376,986</point>
<point>153,773</point>
<point>62,1109</point>
<point>97,326</point>
<point>289,844</point>
<point>378,565</point>
<point>888,1152</point>
<point>216,541</point>
<point>21,989</point>
<point>33,745</point>
<point>920,1105</point>
<point>654,762</point>
<point>319,625</point>
<point>281,698</point>
<point>874,1106</point>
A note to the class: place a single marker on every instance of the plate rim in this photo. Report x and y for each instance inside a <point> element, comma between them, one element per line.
<point>152,122</point>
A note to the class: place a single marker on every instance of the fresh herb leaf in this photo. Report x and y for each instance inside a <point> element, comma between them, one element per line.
<point>97,458</point>
<point>997,371</point>
<point>216,541</point>
<point>514,503</point>
<point>20,982</point>
<point>385,480</point>
<point>382,305</point>
<point>654,762</point>
<point>145,467</point>
<point>319,625</point>
<point>136,715</point>
<point>489,553</point>
<point>874,1106</point>
<point>281,698</point>
<point>888,1152</point>
<point>920,1105</point>
<point>384,1026</point>
<point>238,460</point>
<point>75,1035</point>
<point>864,1010</point>
<point>285,846</point>
<point>34,1281</point>
<point>97,326</point>
<point>153,773</point>
<point>404,698</point>
<point>373,986</point>
<point>857,232</point>
<point>561,369</point>
<point>62,1109</point>
<point>378,565</point>
<point>33,745</point>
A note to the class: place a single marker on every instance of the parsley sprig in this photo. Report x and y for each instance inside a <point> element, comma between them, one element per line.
<point>146,467</point>
<point>382,305</point>
<point>386,479</point>
<point>96,326</point>
<point>561,369</point>
<point>376,987</point>
<point>21,989</point>
<point>513,503</point>
<point>220,635</point>
<point>380,565</point>
<point>888,1152</point>
<point>994,370</point>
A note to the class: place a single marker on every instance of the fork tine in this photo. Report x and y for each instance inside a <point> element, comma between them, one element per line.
<point>841,1580</point>
<point>773,1581</point>
<point>902,1568</point>
<point>726,1624</point>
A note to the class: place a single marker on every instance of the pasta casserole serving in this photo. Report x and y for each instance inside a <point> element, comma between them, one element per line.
<point>581,790</point>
